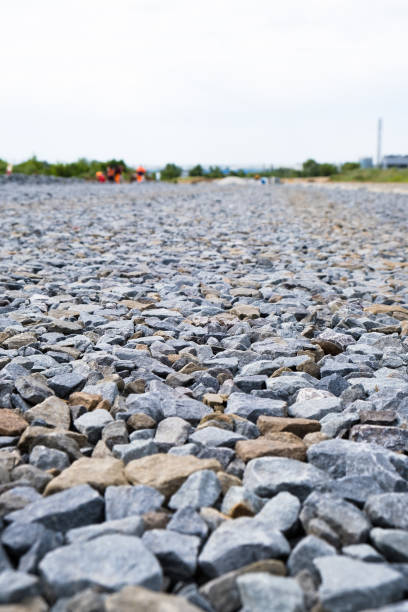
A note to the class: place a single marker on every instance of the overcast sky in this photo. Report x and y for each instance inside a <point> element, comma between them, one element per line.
<point>216,81</point>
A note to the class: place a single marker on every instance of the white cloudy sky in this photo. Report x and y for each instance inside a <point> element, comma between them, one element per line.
<point>216,81</point>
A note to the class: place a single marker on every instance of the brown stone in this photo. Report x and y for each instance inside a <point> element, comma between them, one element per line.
<point>88,400</point>
<point>314,438</point>
<point>99,473</point>
<point>101,450</point>
<point>217,419</point>
<point>385,309</point>
<point>166,473</point>
<point>29,604</point>
<point>228,480</point>
<point>135,386</point>
<point>103,405</point>
<point>156,520</point>
<point>244,292</point>
<point>53,410</point>
<point>245,311</point>
<point>191,367</point>
<point>11,424</point>
<point>140,420</point>
<point>138,599</point>
<point>68,441</point>
<point>214,400</point>
<point>299,427</point>
<point>240,509</point>
<point>19,340</point>
<point>275,444</point>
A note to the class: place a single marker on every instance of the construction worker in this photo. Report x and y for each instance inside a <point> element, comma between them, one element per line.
<point>110,173</point>
<point>140,173</point>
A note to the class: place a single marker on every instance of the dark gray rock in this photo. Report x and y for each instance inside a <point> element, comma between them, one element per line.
<point>92,423</point>
<point>14,586</point>
<point>74,507</point>
<point>188,521</point>
<point>134,450</point>
<point>236,543</point>
<point>48,458</point>
<point>251,407</point>
<point>392,543</point>
<point>305,551</point>
<point>126,561</point>
<point>176,552</point>
<point>200,489</point>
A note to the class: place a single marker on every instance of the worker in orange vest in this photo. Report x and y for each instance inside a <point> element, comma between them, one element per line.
<point>140,174</point>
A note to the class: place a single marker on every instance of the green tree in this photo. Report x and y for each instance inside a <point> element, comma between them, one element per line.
<point>310,168</point>
<point>348,166</point>
<point>170,171</point>
<point>196,171</point>
<point>215,172</point>
<point>327,169</point>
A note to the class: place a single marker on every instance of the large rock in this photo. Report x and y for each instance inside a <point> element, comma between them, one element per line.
<point>299,427</point>
<point>276,444</point>
<point>200,489</point>
<point>359,470</point>
<point>388,510</point>
<point>270,475</point>
<point>132,525</point>
<point>353,585</point>
<point>307,549</point>
<point>75,507</point>
<point>14,586</point>
<point>251,407</point>
<point>91,423</point>
<point>99,473</point>
<point>124,501</point>
<point>260,592</point>
<point>33,389</point>
<point>223,593</point>
<point>138,599</point>
<point>348,522</point>
<point>11,423</point>
<point>315,408</point>
<point>166,473</point>
<point>177,552</point>
<point>126,561</point>
<point>281,512</point>
<point>236,543</point>
<point>392,543</point>
<point>67,441</point>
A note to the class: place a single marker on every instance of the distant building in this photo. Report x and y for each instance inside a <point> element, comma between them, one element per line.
<point>395,161</point>
<point>366,162</point>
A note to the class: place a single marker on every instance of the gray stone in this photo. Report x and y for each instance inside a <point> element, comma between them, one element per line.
<point>176,552</point>
<point>270,475</point>
<point>75,507</point>
<point>124,501</point>
<point>48,458</point>
<point>131,525</point>
<point>5,563</point>
<point>32,475</point>
<point>172,431</point>
<point>14,586</point>
<point>215,436</point>
<point>115,433</point>
<point>200,489</point>
<point>315,408</point>
<point>348,522</point>
<point>353,585</point>
<point>126,561</point>
<point>305,551</point>
<point>392,543</point>
<point>17,498</point>
<point>388,510</point>
<point>359,470</point>
<point>363,552</point>
<point>261,592</point>
<point>188,521</point>
<point>33,389</point>
<point>281,512</point>
<point>108,390</point>
<point>65,384</point>
<point>91,423</point>
<point>251,407</point>
<point>236,543</point>
<point>134,450</point>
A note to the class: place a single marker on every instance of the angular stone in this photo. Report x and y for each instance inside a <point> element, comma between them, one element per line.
<point>236,543</point>
<point>276,444</point>
<point>355,585</point>
<point>92,423</point>
<point>240,502</point>
<point>138,599</point>
<point>33,389</point>
<point>48,458</point>
<point>176,552</point>
<point>347,521</point>
<point>251,407</point>
<point>188,521</point>
<point>363,552</point>
<point>19,340</point>
<point>54,411</point>
<point>126,561</point>
<point>14,586</point>
<point>388,510</point>
<point>131,525</point>
<point>172,431</point>
<point>315,408</point>
<point>61,439</point>
<point>11,423</point>
<point>17,498</point>
<point>260,592</point>
<point>140,421</point>
<point>75,507</point>
<point>269,475</point>
<point>200,489</point>
<point>88,400</point>
<point>215,436</point>
<point>223,593</point>
<point>99,473</point>
<point>309,548</point>
<point>392,543</point>
<point>392,438</point>
<point>281,512</point>
<point>166,473</point>
<point>299,427</point>
<point>124,501</point>
<point>134,450</point>
<point>245,311</point>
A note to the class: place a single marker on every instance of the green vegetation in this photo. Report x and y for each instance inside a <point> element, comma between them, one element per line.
<point>83,168</point>
<point>196,171</point>
<point>171,172</point>
<point>375,175</point>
